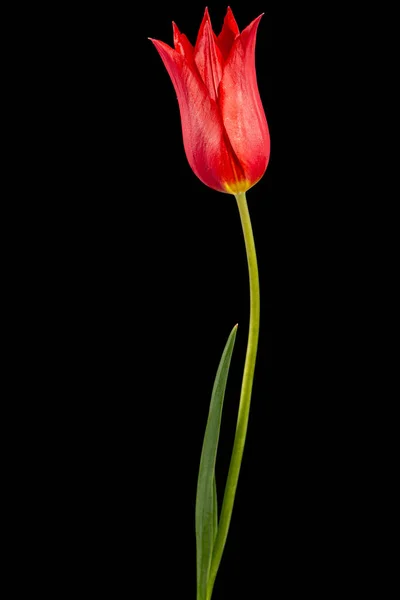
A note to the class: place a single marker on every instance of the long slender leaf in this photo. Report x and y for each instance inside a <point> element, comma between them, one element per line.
<point>206,499</point>
<point>215,510</point>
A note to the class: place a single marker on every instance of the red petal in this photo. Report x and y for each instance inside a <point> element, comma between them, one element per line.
<point>206,146</point>
<point>241,108</point>
<point>182,44</point>
<point>208,57</point>
<point>229,32</point>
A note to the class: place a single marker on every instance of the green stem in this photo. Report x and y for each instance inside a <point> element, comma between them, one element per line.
<point>245,396</point>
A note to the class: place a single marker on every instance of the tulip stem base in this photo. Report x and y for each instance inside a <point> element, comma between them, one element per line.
<point>245,395</point>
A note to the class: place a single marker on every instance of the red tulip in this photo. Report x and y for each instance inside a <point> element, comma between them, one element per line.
<point>225,132</point>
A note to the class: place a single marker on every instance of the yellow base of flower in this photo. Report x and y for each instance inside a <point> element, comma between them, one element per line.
<point>238,187</point>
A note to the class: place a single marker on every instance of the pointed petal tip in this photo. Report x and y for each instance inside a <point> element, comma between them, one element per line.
<point>257,19</point>
<point>252,28</point>
<point>157,44</point>
<point>229,13</point>
<point>175,32</point>
<point>161,46</point>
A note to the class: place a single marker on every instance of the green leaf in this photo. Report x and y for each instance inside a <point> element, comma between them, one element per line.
<point>206,499</point>
<point>215,510</point>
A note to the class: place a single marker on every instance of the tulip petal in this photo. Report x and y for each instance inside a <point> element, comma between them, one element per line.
<point>206,145</point>
<point>182,44</point>
<point>241,108</point>
<point>230,31</point>
<point>208,57</point>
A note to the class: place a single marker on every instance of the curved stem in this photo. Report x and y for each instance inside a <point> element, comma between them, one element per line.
<point>245,395</point>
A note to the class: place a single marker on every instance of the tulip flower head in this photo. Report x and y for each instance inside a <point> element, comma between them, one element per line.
<point>225,131</point>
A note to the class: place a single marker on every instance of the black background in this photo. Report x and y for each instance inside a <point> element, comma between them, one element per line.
<point>131,273</point>
<point>139,274</point>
